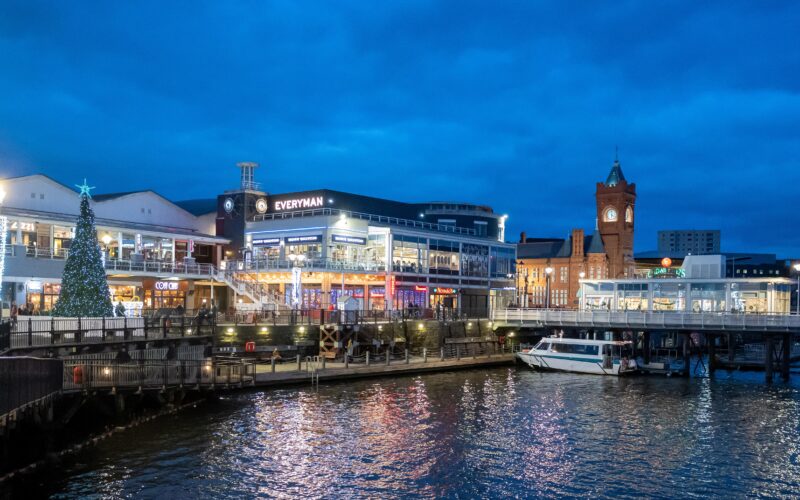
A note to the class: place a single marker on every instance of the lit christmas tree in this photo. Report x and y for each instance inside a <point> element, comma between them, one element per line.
<point>84,289</point>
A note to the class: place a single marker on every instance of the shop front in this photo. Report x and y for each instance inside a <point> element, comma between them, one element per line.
<point>444,297</point>
<point>164,294</point>
<point>41,296</point>
<point>408,296</point>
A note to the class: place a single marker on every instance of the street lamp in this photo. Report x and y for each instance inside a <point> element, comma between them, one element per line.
<point>797,270</point>
<point>547,271</point>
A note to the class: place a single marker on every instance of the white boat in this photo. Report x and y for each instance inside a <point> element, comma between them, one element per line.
<point>600,357</point>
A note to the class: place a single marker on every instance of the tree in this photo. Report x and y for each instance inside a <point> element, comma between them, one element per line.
<point>84,289</point>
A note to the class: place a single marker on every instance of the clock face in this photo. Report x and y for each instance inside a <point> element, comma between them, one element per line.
<point>611,215</point>
<point>228,205</point>
<point>261,205</point>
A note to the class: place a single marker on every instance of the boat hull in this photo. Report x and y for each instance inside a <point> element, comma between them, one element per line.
<point>574,364</point>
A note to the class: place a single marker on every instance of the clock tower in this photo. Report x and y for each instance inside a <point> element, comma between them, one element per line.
<point>616,200</point>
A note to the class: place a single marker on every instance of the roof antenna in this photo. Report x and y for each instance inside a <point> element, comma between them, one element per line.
<point>616,154</point>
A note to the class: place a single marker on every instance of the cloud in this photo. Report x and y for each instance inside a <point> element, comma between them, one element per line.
<point>518,107</point>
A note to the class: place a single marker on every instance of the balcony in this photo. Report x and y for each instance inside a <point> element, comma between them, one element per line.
<point>307,265</point>
<point>33,261</point>
<point>377,219</point>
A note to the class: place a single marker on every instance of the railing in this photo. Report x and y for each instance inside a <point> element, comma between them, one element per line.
<point>646,319</point>
<point>42,331</point>
<point>326,316</point>
<point>380,219</point>
<point>147,266</point>
<point>24,381</point>
<point>144,266</point>
<point>90,374</point>
<point>308,265</point>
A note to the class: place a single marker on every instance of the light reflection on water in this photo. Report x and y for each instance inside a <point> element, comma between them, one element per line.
<point>503,432</point>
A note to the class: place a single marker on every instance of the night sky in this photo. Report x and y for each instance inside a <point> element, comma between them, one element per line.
<point>518,105</point>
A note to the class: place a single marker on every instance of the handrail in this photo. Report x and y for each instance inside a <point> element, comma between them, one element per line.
<point>647,319</point>
<point>381,219</point>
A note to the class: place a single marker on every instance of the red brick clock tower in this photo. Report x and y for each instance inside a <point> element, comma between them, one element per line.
<point>615,215</point>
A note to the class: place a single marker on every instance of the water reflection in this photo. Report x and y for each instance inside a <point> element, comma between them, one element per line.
<point>504,432</point>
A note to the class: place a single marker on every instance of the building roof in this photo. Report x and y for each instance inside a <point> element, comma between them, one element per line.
<point>200,206</point>
<point>615,176</point>
<point>594,243</point>
<point>556,248</point>
<point>111,196</point>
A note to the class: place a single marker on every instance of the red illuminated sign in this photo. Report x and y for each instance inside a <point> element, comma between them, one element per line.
<point>419,288</point>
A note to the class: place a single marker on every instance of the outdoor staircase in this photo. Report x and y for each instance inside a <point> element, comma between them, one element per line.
<point>258,293</point>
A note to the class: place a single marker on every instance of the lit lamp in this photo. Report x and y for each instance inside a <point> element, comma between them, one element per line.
<point>547,271</point>
<point>797,270</point>
<point>106,241</point>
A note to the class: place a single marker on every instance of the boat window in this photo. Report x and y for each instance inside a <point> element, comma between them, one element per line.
<point>591,350</point>
<point>542,346</point>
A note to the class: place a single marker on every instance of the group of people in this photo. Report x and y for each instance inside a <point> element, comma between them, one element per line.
<point>26,310</point>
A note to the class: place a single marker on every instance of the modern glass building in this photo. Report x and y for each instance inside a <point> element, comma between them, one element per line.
<point>750,296</point>
<point>310,248</point>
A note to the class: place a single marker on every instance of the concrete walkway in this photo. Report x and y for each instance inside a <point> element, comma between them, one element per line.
<point>287,372</point>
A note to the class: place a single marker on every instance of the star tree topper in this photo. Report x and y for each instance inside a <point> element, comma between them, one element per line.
<point>85,188</point>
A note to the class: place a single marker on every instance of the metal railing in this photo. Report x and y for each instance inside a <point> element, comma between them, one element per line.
<point>24,381</point>
<point>646,319</point>
<point>356,317</point>
<point>89,374</point>
<point>147,266</point>
<point>308,265</point>
<point>380,219</point>
<point>42,331</point>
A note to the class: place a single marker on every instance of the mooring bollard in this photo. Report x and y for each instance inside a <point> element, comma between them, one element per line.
<point>424,354</point>
<point>367,358</point>
<point>272,362</point>
<point>458,352</point>
<point>406,356</point>
<point>346,361</point>
<point>388,356</point>
<point>299,364</point>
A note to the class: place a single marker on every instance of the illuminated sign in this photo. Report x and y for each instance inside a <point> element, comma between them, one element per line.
<point>352,240</point>
<point>34,286</point>
<point>166,285</point>
<point>441,290</point>
<point>23,226</point>
<point>666,272</point>
<point>359,293</point>
<point>267,242</point>
<point>392,283</point>
<point>302,239</point>
<point>666,262</point>
<point>377,295</point>
<point>420,288</point>
<point>261,205</point>
<point>299,203</point>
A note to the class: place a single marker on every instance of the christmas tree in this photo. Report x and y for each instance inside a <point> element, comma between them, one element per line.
<point>84,289</point>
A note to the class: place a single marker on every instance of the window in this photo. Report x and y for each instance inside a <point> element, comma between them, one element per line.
<point>542,346</point>
<point>481,228</point>
<point>564,273</point>
<point>590,350</point>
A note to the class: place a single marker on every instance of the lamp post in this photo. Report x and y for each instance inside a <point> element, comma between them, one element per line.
<point>797,270</point>
<point>547,271</point>
<point>3,234</point>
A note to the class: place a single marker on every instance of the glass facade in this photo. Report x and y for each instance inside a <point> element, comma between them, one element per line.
<point>687,295</point>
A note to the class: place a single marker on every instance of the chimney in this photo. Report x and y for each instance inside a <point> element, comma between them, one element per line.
<point>522,237</point>
<point>577,243</point>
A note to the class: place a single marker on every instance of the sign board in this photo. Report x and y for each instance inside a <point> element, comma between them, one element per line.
<point>442,290</point>
<point>668,272</point>
<point>166,285</point>
<point>298,203</point>
<point>266,242</point>
<point>351,240</point>
<point>294,240</point>
<point>420,288</point>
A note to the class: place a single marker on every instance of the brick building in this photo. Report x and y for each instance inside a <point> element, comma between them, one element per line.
<point>606,253</point>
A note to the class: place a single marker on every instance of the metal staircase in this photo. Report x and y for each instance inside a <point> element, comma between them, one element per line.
<point>258,293</point>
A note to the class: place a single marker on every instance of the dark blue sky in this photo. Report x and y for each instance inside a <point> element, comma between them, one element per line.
<point>515,104</point>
